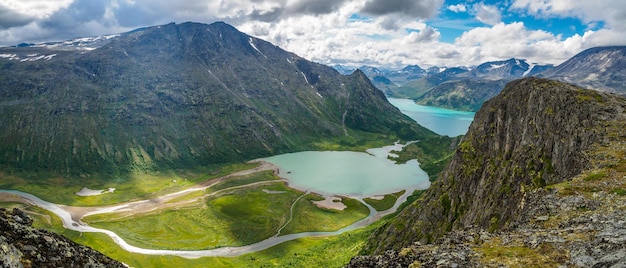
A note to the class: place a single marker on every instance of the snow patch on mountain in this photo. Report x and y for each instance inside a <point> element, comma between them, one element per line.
<point>84,43</point>
<point>255,48</point>
<point>530,68</point>
<point>29,57</point>
<point>305,79</point>
<point>10,56</point>
<point>496,66</point>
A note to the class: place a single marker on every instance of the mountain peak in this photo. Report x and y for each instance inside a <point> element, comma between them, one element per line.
<point>179,96</point>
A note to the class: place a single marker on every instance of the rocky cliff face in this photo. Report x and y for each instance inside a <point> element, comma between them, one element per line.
<point>543,167</point>
<point>21,245</point>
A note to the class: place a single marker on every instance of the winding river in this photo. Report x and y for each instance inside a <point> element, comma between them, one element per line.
<point>71,218</point>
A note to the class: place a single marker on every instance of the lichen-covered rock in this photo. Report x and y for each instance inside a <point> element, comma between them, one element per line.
<point>21,245</point>
<point>452,250</point>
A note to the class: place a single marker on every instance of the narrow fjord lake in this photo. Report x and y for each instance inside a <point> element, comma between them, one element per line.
<point>360,174</point>
<point>441,121</point>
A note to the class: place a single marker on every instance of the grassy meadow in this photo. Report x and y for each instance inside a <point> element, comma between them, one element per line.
<point>236,211</point>
<point>230,217</point>
<point>310,218</point>
<point>61,190</point>
<point>189,228</point>
<point>386,203</point>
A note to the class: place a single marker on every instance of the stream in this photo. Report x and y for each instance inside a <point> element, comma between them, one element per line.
<point>69,222</point>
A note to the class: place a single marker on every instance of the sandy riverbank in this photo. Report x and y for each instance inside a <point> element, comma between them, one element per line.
<point>331,202</point>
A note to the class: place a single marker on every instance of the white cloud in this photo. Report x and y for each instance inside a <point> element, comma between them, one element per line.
<point>458,8</point>
<point>35,8</point>
<point>487,14</point>
<point>613,12</point>
<point>391,33</point>
<point>18,13</point>
<point>412,8</point>
<point>503,41</point>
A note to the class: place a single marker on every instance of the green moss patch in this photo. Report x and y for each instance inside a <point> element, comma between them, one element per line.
<point>386,203</point>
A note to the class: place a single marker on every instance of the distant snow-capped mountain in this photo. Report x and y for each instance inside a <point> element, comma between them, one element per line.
<point>511,68</point>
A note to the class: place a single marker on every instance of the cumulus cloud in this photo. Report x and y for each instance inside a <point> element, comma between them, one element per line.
<point>10,18</point>
<point>359,32</point>
<point>515,40</point>
<point>15,13</point>
<point>315,7</point>
<point>458,8</point>
<point>487,14</point>
<point>413,8</point>
<point>427,34</point>
<point>613,12</point>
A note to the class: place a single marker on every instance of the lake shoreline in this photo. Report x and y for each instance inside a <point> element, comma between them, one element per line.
<point>72,216</point>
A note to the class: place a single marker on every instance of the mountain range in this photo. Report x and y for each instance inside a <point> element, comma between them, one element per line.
<point>466,88</point>
<point>537,181</point>
<point>177,96</point>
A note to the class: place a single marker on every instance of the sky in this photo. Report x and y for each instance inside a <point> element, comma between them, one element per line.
<point>381,33</point>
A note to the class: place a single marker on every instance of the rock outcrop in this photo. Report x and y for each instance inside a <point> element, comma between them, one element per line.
<point>21,245</point>
<point>542,168</point>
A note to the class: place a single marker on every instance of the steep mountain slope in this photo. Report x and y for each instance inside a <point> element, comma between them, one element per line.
<point>465,95</point>
<point>24,246</point>
<point>177,96</point>
<point>417,88</point>
<point>601,68</point>
<point>544,166</point>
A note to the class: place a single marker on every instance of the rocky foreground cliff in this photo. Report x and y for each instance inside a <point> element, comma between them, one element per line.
<point>21,245</point>
<point>539,180</point>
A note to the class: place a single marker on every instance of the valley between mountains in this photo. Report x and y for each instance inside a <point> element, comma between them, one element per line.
<point>171,126</point>
<point>160,111</point>
<point>73,217</point>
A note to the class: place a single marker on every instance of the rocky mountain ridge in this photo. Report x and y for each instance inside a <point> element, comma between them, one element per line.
<point>539,179</point>
<point>600,68</point>
<point>464,88</point>
<point>21,245</point>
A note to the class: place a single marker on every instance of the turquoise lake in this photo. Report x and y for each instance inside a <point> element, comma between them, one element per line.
<point>367,174</point>
<point>355,174</point>
<point>441,121</point>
